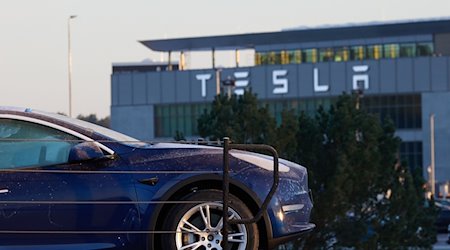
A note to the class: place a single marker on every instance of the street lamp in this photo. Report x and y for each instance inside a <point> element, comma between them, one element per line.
<point>70,64</point>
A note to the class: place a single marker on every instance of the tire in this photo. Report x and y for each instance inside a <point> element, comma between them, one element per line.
<point>191,219</point>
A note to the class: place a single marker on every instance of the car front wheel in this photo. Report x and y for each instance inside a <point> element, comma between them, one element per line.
<point>198,223</point>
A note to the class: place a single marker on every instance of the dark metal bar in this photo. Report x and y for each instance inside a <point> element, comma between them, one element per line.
<point>226,190</point>
<point>273,189</point>
<point>226,183</point>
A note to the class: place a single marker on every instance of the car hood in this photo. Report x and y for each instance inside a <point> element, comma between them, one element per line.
<point>201,156</point>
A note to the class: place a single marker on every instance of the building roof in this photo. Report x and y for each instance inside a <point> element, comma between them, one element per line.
<point>333,33</point>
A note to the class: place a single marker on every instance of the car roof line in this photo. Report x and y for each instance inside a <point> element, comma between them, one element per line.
<point>57,127</point>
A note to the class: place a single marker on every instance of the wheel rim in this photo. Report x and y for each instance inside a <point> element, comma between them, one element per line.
<point>201,228</point>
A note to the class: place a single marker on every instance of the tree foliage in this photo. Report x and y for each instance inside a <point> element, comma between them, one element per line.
<point>239,118</point>
<point>364,197</point>
<point>92,118</point>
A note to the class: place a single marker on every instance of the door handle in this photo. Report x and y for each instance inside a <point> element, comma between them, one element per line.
<point>150,181</point>
<point>4,191</point>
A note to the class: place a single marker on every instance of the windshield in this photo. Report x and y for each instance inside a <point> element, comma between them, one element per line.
<point>114,135</point>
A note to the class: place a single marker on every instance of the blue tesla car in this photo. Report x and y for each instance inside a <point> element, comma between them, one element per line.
<point>69,184</point>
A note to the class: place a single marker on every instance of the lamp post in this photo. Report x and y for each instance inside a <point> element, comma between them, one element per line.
<point>70,64</point>
<point>229,84</point>
<point>432,166</point>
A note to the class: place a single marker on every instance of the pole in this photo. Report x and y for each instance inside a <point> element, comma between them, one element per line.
<point>182,61</point>
<point>169,63</point>
<point>70,63</point>
<point>213,51</point>
<point>236,57</point>
<point>433,177</point>
<point>218,73</point>
<point>226,190</point>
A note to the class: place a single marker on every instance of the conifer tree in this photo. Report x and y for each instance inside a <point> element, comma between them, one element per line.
<point>238,117</point>
<point>364,198</point>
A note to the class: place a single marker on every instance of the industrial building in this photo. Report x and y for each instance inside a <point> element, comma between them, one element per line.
<point>403,69</point>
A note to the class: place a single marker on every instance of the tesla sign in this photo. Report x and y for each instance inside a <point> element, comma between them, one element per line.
<point>280,81</point>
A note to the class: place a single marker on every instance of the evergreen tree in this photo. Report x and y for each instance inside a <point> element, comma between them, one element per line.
<point>286,141</point>
<point>217,123</point>
<point>363,197</point>
<point>239,118</point>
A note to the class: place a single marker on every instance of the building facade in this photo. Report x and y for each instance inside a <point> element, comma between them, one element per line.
<point>402,68</point>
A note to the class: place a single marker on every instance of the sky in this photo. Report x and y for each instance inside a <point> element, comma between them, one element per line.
<point>34,37</point>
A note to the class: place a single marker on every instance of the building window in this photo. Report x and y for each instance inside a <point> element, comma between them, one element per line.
<point>264,58</point>
<point>284,57</point>
<point>341,54</point>
<point>309,106</point>
<point>411,154</point>
<point>404,110</point>
<point>326,54</point>
<point>407,50</point>
<point>297,56</point>
<point>357,53</point>
<point>391,50</point>
<point>178,117</point>
<point>374,52</point>
<point>274,58</point>
<point>310,55</point>
<point>258,58</point>
<point>424,49</point>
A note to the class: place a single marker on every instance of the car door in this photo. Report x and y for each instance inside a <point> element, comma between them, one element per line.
<point>47,202</point>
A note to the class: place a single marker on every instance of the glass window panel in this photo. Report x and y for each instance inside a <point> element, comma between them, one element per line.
<point>264,58</point>
<point>326,54</point>
<point>158,126</point>
<point>166,126</point>
<point>391,50</point>
<point>165,110</point>
<point>407,50</point>
<point>357,53</point>
<point>341,54</point>
<point>158,111</point>
<point>257,58</point>
<point>188,123</point>
<point>173,126</point>
<point>310,55</point>
<point>30,144</point>
<point>425,49</point>
<point>290,56</point>
<point>275,57</point>
<point>417,117</point>
<point>180,118</point>
<point>298,56</point>
<point>374,52</point>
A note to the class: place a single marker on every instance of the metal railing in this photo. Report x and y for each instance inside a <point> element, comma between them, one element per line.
<point>227,146</point>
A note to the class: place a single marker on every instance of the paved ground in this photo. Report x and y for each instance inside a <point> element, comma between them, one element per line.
<point>442,244</point>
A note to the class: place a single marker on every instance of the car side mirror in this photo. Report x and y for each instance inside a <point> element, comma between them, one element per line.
<point>85,151</point>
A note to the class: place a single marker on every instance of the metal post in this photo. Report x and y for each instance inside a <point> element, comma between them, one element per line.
<point>433,177</point>
<point>169,62</point>
<point>182,61</point>
<point>225,187</point>
<point>213,58</point>
<point>218,73</point>
<point>70,63</point>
